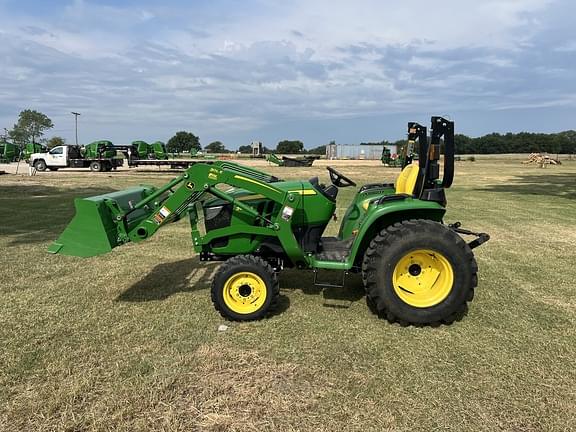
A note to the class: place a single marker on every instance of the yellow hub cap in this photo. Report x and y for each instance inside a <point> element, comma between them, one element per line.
<point>244,292</point>
<point>423,278</point>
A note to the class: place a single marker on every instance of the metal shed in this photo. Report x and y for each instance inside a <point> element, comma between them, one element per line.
<point>357,151</point>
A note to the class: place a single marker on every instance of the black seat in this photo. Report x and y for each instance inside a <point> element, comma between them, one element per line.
<point>330,191</point>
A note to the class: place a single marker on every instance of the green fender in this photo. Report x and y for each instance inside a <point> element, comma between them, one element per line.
<point>388,214</point>
<point>377,218</point>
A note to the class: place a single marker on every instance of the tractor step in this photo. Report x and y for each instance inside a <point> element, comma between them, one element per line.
<point>333,249</point>
<point>330,284</point>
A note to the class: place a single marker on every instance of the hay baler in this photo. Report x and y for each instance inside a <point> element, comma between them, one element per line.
<point>416,269</point>
<point>8,152</point>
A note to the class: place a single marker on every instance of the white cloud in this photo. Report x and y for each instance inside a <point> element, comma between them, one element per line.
<point>166,68</point>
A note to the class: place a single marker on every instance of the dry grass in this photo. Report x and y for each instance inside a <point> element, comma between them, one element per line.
<point>128,341</point>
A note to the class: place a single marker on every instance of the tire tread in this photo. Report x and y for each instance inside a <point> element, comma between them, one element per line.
<point>243,260</point>
<point>383,241</point>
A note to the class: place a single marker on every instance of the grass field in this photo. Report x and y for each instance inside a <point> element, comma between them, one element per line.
<point>129,341</point>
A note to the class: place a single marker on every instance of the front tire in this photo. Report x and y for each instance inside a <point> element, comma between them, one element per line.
<point>419,272</point>
<point>40,165</point>
<point>245,288</point>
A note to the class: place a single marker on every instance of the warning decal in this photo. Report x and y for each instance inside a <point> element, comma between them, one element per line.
<point>161,215</point>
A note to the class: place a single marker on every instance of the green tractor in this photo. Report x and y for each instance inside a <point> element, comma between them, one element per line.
<point>406,155</point>
<point>415,268</point>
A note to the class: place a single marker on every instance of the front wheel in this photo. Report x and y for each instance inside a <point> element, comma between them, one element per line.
<point>40,165</point>
<point>419,272</point>
<point>245,288</point>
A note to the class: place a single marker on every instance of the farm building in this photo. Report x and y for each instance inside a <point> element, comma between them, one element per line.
<point>357,151</point>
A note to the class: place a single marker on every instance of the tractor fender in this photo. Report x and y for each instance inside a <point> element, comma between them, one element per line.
<point>382,216</point>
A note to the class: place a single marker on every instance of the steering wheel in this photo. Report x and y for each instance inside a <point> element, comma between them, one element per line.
<point>339,180</point>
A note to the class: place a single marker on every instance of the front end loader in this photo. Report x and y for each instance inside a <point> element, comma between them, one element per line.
<point>416,269</point>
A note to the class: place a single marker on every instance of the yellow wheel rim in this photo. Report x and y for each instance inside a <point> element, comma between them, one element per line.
<point>423,278</point>
<point>244,292</point>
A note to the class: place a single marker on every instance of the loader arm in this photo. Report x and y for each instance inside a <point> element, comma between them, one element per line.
<point>105,222</point>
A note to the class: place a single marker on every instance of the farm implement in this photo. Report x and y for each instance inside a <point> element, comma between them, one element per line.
<point>416,269</point>
<point>286,161</point>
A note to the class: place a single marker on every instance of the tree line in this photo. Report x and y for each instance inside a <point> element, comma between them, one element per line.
<point>494,143</point>
<point>523,142</point>
<point>186,141</point>
<point>32,125</point>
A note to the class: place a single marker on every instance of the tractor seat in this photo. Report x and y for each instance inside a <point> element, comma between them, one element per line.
<point>330,191</point>
<point>406,181</point>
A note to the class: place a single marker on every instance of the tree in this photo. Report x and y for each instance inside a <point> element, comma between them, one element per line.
<point>183,142</point>
<point>18,136</point>
<point>216,147</point>
<point>289,147</point>
<point>463,144</point>
<point>30,126</point>
<point>245,149</point>
<point>55,141</point>
<point>320,150</point>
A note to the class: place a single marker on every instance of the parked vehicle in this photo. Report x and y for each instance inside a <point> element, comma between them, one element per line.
<point>98,156</point>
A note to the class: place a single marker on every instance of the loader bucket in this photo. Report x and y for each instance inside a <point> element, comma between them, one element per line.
<point>93,230</point>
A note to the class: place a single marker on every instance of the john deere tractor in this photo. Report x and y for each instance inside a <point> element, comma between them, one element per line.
<point>416,269</point>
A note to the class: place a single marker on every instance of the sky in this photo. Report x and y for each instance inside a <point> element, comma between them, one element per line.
<point>314,70</point>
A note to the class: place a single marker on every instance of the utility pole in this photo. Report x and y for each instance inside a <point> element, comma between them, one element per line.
<point>76,124</point>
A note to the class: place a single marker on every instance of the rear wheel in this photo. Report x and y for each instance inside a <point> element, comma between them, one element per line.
<point>40,165</point>
<point>419,272</point>
<point>95,166</point>
<point>245,288</point>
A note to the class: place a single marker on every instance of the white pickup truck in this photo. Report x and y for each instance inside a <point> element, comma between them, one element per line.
<point>72,157</point>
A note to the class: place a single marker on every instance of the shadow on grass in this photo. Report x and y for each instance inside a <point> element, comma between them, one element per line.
<point>181,276</point>
<point>352,291</point>
<point>168,279</point>
<point>36,213</point>
<point>558,185</point>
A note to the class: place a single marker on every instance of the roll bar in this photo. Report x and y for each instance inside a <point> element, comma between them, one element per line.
<point>429,150</point>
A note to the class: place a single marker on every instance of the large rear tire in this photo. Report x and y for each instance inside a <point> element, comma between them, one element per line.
<point>419,272</point>
<point>245,288</point>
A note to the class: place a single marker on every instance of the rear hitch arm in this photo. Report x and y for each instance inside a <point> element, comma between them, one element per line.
<point>480,237</point>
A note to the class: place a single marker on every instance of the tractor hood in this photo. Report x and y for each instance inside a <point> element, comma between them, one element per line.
<point>295,187</point>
